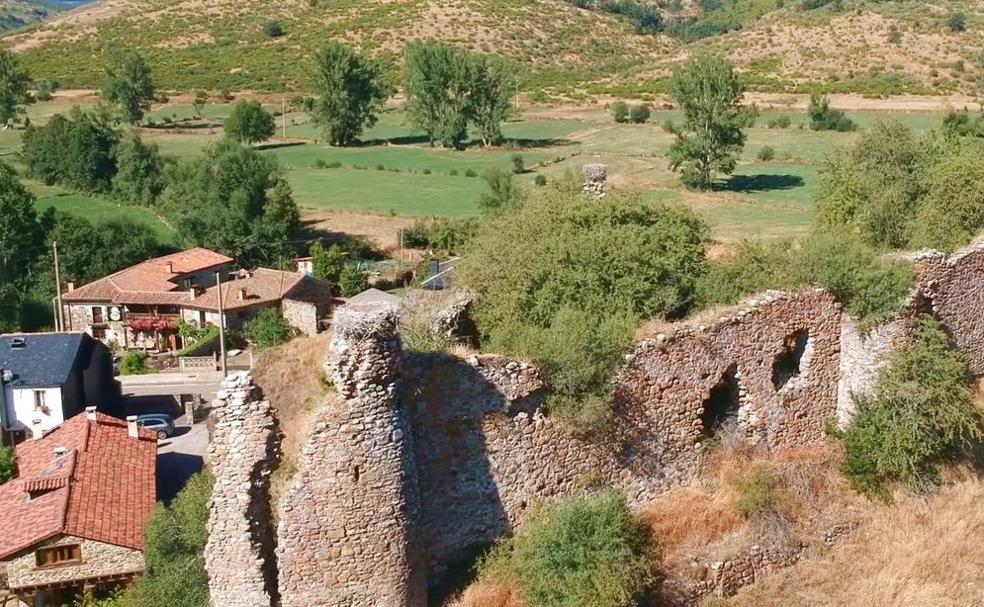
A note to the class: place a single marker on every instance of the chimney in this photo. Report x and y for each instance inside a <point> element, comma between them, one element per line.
<point>90,414</point>
<point>70,286</point>
<point>193,291</point>
<point>169,267</point>
<point>131,426</point>
<point>36,432</point>
<point>242,293</point>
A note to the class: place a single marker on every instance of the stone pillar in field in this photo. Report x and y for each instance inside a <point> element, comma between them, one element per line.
<point>595,177</point>
<point>243,452</point>
<point>346,528</point>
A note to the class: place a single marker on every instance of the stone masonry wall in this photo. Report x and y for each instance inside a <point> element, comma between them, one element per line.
<point>666,385</point>
<point>242,455</point>
<point>954,288</point>
<point>301,315</point>
<point>98,559</point>
<point>348,520</point>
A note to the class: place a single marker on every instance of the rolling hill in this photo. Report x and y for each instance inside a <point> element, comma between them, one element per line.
<point>569,48</point>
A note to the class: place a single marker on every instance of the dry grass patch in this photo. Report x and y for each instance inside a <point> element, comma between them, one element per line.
<point>486,594</point>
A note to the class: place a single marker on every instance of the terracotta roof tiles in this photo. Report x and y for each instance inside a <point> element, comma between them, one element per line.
<point>99,485</point>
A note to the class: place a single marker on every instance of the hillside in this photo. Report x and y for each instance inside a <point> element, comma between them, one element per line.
<point>866,47</point>
<point>19,13</point>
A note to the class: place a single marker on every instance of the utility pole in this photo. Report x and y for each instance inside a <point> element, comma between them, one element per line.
<point>60,315</point>
<point>222,348</point>
<point>283,113</point>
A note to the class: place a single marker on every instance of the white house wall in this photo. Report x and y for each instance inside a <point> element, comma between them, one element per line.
<point>21,405</point>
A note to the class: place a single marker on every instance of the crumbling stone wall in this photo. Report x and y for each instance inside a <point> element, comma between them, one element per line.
<point>595,179</point>
<point>954,289</point>
<point>242,454</point>
<point>347,522</point>
<point>666,385</point>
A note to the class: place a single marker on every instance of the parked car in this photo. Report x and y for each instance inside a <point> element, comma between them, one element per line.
<point>161,423</point>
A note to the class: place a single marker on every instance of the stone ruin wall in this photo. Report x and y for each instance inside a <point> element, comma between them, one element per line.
<point>348,521</point>
<point>384,481</point>
<point>664,389</point>
<point>242,454</point>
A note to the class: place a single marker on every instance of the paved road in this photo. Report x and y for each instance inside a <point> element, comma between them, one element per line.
<point>179,457</point>
<point>167,383</point>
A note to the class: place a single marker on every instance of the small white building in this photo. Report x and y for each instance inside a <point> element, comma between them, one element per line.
<point>47,378</point>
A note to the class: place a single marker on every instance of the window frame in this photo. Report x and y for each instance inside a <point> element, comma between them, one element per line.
<point>73,550</point>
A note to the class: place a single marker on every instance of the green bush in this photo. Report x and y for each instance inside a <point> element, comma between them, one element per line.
<point>352,281</point>
<point>7,464</point>
<point>583,551</point>
<point>134,363</point>
<point>620,111</point>
<point>957,22</point>
<point>822,118</point>
<point>640,113</point>
<point>540,180</point>
<point>920,415</point>
<point>766,153</point>
<point>758,491</point>
<point>519,165</point>
<point>779,122</point>
<point>273,29</point>
<point>267,329</point>
<point>471,173</point>
<point>563,280</point>
<point>870,287</point>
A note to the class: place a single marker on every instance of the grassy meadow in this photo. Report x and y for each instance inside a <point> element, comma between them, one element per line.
<point>395,171</point>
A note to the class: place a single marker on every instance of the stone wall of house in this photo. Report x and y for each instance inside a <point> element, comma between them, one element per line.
<point>771,365</point>
<point>242,453</point>
<point>98,559</point>
<point>301,315</point>
<point>348,521</point>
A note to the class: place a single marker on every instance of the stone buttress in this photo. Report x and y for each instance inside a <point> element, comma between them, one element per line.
<point>242,455</point>
<point>345,536</point>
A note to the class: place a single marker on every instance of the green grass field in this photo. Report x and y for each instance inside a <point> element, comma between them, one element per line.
<point>99,209</point>
<point>395,170</point>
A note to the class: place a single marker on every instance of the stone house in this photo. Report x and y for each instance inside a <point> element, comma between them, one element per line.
<point>46,378</point>
<point>141,307</point>
<point>74,515</point>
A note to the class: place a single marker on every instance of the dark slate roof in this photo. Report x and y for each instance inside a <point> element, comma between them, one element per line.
<point>46,360</point>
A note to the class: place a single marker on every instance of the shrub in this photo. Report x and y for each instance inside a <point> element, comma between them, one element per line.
<point>267,329</point>
<point>957,22</point>
<point>380,167</point>
<point>273,29</point>
<point>920,415</point>
<point>585,550</point>
<point>640,113</point>
<point>894,36</point>
<point>758,491</point>
<point>822,118</point>
<point>453,172</point>
<point>766,153</point>
<point>540,180</point>
<point>471,173</point>
<point>519,166</point>
<point>779,122</point>
<point>563,280</point>
<point>352,281</point>
<point>134,363</point>
<point>620,111</point>
<point>7,464</point>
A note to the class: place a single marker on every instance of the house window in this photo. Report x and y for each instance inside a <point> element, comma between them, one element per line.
<point>97,315</point>
<point>39,404</point>
<point>99,332</point>
<point>59,555</point>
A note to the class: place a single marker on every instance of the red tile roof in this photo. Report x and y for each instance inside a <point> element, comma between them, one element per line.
<point>100,486</point>
<point>262,286</point>
<point>154,281</point>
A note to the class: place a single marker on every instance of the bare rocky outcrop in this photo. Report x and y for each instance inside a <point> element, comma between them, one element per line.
<point>595,179</point>
<point>242,454</point>
<point>348,520</point>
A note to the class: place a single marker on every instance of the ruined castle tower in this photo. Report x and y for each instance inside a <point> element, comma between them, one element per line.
<point>242,454</point>
<point>346,530</point>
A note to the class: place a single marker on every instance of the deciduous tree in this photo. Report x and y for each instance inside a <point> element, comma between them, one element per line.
<point>350,90</point>
<point>14,83</point>
<point>129,85</point>
<point>711,137</point>
<point>249,123</point>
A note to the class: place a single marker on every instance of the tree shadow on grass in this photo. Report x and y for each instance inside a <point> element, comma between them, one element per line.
<point>760,183</point>
<point>263,147</point>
